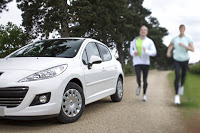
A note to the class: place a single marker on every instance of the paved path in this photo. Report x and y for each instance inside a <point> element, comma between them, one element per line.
<point>131,115</point>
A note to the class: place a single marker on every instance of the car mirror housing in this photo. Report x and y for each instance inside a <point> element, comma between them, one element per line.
<point>94,60</point>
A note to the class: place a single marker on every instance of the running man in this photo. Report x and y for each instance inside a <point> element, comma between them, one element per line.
<point>180,44</point>
<point>141,48</point>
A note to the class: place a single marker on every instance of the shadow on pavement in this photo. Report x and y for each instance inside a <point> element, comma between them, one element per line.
<point>91,108</point>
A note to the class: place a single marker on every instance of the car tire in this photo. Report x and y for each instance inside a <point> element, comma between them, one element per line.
<point>117,97</point>
<point>73,104</point>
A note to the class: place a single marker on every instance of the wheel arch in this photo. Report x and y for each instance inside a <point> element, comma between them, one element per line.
<point>122,77</point>
<point>77,81</point>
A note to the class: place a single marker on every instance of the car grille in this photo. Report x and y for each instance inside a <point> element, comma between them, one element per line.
<point>12,96</point>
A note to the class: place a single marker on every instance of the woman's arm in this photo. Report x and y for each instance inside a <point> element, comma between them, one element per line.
<point>190,47</point>
<point>169,50</point>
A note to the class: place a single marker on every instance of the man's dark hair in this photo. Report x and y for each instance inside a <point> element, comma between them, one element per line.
<point>182,25</point>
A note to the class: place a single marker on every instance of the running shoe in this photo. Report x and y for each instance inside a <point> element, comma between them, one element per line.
<point>138,90</point>
<point>181,90</point>
<point>177,99</point>
<point>144,98</point>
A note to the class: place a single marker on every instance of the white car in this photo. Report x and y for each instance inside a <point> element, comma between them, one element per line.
<point>58,77</point>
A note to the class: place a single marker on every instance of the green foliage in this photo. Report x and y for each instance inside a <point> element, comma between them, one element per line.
<point>195,68</point>
<point>128,68</point>
<point>3,5</point>
<point>11,38</point>
<point>44,16</point>
<point>156,33</point>
<point>114,22</point>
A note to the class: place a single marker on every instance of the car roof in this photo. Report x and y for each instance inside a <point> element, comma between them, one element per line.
<point>80,38</point>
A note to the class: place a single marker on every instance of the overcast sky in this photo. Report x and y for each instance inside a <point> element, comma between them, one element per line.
<point>170,14</point>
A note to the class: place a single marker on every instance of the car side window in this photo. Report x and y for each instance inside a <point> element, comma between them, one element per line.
<point>105,52</point>
<point>92,49</point>
<point>84,58</point>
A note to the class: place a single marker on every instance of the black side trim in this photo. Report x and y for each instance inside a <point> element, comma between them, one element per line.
<point>15,88</point>
<point>1,73</point>
<point>29,117</point>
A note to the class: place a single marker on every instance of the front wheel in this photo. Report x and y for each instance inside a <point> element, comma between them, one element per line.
<point>73,104</point>
<point>117,97</point>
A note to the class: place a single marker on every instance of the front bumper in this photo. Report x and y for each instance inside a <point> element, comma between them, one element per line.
<point>55,86</point>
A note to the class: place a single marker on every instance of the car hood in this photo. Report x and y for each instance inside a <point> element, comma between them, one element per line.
<point>14,69</point>
<point>32,63</point>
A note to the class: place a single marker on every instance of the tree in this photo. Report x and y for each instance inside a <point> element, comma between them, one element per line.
<point>11,39</point>
<point>157,33</point>
<point>41,17</point>
<point>3,5</point>
<point>115,23</point>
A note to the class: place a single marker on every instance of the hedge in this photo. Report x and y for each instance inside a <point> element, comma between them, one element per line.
<point>195,68</point>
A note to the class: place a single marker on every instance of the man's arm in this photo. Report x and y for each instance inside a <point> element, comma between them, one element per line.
<point>133,51</point>
<point>190,47</point>
<point>152,51</point>
<point>169,50</point>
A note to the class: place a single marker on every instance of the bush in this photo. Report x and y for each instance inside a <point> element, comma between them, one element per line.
<point>128,69</point>
<point>195,68</point>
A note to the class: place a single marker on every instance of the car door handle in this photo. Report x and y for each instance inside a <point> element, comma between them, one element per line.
<point>103,69</point>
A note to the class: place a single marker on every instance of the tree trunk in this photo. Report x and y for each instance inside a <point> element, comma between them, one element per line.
<point>121,57</point>
<point>133,68</point>
<point>64,23</point>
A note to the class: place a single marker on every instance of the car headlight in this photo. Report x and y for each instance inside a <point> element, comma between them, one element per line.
<point>45,74</point>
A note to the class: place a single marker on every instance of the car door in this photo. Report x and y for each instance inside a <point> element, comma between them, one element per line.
<point>110,73</point>
<point>93,77</point>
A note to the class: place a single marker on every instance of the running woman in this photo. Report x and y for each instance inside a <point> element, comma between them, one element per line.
<point>180,45</point>
<point>141,48</point>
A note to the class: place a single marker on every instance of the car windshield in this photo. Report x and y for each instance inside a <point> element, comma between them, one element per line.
<point>67,48</point>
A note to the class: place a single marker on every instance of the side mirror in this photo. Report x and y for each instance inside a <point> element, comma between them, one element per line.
<point>94,60</point>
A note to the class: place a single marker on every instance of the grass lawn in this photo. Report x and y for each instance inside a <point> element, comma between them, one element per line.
<point>191,97</point>
<point>190,101</point>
